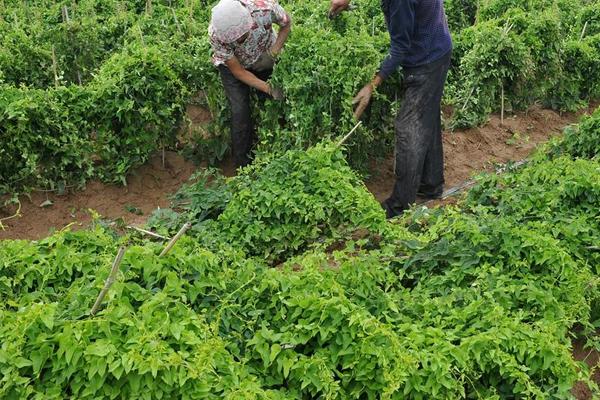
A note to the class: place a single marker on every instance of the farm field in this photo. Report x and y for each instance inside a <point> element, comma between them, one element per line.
<point>149,186</point>
<point>289,282</point>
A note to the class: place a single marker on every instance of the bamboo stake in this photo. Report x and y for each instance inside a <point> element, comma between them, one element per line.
<point>175,238</point>
<point>109,281</point>
<point>468,98</point>
<point>148,6</point>
<point>149,233</point>
<point>341,142</point>
<point>583,31</point>
<point>54,67</point>
<point>65,14</point>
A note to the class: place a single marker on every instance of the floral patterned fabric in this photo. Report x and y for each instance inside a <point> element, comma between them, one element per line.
<point>261,36</point>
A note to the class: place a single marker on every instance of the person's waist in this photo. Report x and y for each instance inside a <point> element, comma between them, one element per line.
<point>432,61</point>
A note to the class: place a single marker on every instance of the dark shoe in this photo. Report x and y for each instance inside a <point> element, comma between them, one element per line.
<point>430,194</point>
<point>389,211</point>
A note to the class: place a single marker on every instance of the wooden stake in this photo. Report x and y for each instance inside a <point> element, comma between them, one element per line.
<point>341,142</point>
<point>148,6</point>
<point>175,238</point>
<point>109,281</point>
<point>502,106</point>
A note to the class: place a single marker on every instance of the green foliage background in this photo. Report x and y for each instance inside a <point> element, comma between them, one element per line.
<point>110,81</point>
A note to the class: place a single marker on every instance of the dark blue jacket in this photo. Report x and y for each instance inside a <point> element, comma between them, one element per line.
<point>418,31</point>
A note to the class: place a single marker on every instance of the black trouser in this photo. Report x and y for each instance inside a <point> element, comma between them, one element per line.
<point>243,134</point>
<point>419,165</point>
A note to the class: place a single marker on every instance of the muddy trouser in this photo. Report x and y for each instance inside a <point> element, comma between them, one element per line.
<point>419,156</point>
<point>243,134</point>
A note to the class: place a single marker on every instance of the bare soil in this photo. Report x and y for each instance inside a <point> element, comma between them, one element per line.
<point>148,187</point>
<point>592,358</point>
<point>481,149</point>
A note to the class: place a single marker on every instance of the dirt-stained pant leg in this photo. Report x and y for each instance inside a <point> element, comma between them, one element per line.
<point>243,135</point>
<point>419,152</point>
<point>238,94</point>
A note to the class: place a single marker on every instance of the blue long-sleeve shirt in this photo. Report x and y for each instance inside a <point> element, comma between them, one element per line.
<point>419,33</point>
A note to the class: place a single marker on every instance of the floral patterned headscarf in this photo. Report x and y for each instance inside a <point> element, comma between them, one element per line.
<point>230,20</point>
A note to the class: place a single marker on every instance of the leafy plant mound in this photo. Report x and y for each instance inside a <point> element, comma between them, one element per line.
<point>149,343</point>
<point>283,204</point>
<point>581,140</point>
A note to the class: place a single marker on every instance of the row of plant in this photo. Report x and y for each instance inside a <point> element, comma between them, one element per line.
<point>299,288</point>
<point>92,89</point>
<point>519,53</point>
<point>506,53</point>
<point>65,136</point>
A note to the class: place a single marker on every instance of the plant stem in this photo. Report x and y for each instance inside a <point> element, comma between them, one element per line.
<point>15,215</point>
<point>176,21</point>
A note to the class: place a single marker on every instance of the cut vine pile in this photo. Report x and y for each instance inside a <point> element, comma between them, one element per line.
<point>90,89</point>
<point>299,288</point>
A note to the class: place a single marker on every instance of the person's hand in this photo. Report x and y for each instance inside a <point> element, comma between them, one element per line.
<point>337,6</point>
<point>274,53</point>
<point>362,99</point>
<point>276,94</point>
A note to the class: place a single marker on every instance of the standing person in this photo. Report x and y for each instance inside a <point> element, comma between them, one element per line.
<point>245,46</point>
<point>421,44</point>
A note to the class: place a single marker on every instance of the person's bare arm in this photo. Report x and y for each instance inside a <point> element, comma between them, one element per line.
<point>282,36</point>
<point>246,76</point>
